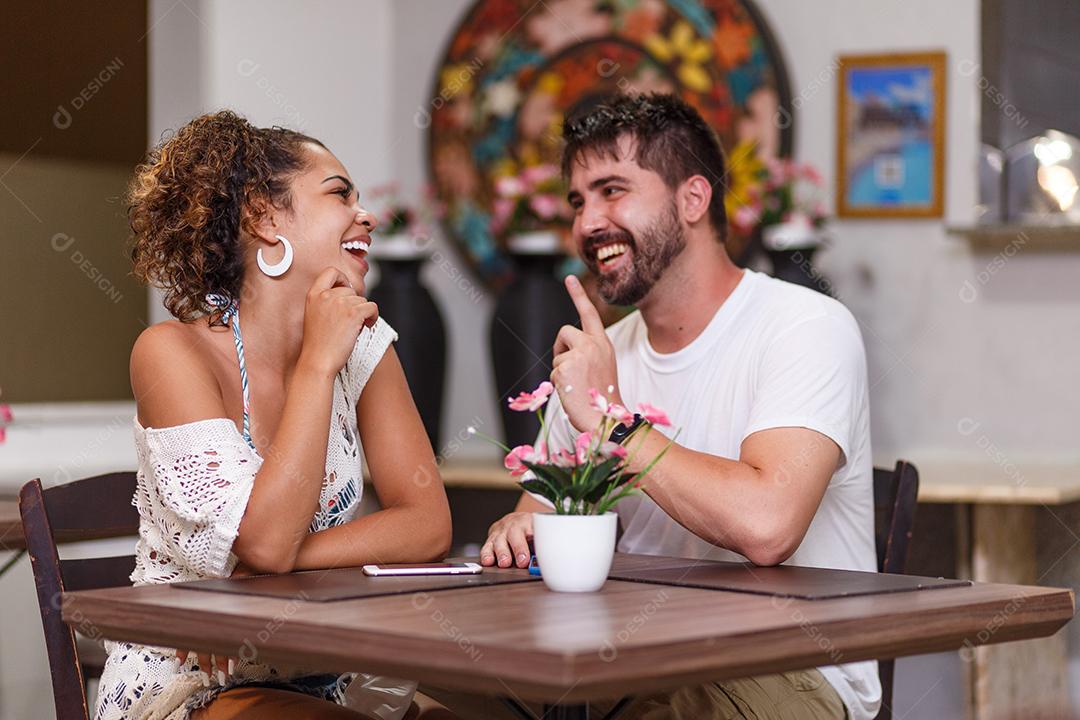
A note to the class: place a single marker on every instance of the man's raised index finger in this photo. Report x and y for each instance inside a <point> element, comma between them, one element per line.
<point>590,318</point>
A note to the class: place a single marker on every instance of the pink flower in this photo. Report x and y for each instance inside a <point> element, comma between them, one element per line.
<point>509,187</point>
<point>778,171</point>
<point>598,401</point>
<point>531,402</point>
<point>581,447</point>
<point>610,409</point>
<point>546,206</point>
<point>746,217</point>
<point>610,449</point>
<point>5,418</point>
<point>810,173</point>
<point>798,217</point>
<point>654,415</point>
<point>502,209</point>
<point>606,450</point>
<point>621,414</point>
<point>515,460</point>
<point>537,174</point>
<point>563,459</point>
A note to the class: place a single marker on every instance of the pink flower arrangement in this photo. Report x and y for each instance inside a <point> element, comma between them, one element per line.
<point>590,478</point>
<point>5,419</point>
<point>396,217</point>
<point>781,191</point>
<point>531,200</point>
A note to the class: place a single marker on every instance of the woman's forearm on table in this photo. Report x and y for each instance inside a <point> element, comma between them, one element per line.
<point>396,534</point>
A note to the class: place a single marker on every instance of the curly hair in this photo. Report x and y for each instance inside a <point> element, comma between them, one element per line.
<point>188,203</point>
<point>671,139</point>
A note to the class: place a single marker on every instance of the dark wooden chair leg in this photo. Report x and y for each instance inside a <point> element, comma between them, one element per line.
<point>895,497</point>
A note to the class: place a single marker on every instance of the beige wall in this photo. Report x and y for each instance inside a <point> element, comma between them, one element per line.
<point>71,309</point>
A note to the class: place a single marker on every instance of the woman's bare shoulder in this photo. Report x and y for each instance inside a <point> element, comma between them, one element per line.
<point>162,341</point>
<point>172,376</point>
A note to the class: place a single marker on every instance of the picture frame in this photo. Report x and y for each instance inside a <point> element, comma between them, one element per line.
<point>890,139</point>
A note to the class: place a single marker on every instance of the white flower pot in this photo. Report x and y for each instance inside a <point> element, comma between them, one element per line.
<point>574,551</point>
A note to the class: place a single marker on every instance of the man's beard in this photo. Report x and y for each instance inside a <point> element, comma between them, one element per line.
<point>660,243</point>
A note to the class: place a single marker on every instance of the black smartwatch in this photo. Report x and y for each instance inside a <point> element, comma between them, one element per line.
<point>621,431</point>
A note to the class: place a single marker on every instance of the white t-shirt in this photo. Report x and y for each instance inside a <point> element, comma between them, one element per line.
<point>774,355</point>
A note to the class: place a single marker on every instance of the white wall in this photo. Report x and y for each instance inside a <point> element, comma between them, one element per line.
<point>1005,359</point>
<point>320,67</point>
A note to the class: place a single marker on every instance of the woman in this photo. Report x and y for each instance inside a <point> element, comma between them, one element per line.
<point>253,402</point>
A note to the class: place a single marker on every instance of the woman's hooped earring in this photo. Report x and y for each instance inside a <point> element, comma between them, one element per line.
<point>279,267</point>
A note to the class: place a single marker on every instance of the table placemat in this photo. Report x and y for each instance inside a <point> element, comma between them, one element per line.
<point>782,580</point>
<point>351,583</point>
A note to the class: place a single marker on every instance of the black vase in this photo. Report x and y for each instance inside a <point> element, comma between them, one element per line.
<point>797,266</point>
<point>411,310</point>
<point>528,315</point>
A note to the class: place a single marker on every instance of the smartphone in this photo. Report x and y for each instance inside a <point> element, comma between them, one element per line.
<point>400,569</point>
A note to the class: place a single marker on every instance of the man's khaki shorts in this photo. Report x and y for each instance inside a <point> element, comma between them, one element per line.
<point>799,695</point>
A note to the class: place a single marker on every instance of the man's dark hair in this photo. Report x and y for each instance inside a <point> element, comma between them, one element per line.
<point>672,140</point>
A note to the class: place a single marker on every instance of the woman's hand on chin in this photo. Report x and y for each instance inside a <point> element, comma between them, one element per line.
<point>334,315</point>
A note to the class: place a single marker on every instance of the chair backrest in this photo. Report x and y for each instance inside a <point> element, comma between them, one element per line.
<point>89,509</point>
<point>895,494</point>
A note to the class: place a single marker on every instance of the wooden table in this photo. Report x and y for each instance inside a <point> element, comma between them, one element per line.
<point>997,505</point>
<point>997,509</point>
<point>522,642</point>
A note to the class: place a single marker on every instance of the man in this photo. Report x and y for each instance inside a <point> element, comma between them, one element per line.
<point>766,382</point>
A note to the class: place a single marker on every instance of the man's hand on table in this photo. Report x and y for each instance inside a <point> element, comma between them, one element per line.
<point>508,541</point>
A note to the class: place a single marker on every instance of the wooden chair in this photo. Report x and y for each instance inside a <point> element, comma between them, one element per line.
<point>895,493</point>
<point>91,509</point>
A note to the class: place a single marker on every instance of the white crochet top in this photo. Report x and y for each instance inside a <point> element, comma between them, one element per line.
<point>194,481</point>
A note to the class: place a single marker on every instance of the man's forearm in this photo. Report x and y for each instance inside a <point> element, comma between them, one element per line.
<point>725,502</point>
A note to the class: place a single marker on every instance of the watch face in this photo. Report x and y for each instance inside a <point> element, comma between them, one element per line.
<point>621,431</point>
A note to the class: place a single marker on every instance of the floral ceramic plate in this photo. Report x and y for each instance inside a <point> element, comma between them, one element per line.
<point>513,67</point>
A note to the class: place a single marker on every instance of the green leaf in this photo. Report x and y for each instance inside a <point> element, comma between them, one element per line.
<point>555,481</point>
<point>541,488</point>
<point>557,476</point>
<point>613,482</point>
<point>609,502</point>
<point>594,480</point>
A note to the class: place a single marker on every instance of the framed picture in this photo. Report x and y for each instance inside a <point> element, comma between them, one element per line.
<point>890,135</point>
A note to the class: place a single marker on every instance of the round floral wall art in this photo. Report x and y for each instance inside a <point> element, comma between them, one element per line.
<point>513,67</point>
